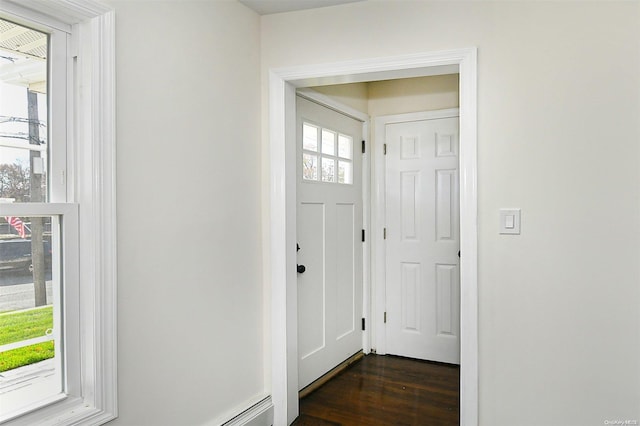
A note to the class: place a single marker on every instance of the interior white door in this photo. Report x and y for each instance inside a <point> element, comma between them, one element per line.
<point>422,240</point>
<point>329,226</point>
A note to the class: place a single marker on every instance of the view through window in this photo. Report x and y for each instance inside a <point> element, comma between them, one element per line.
<point>29,295</point>
<point>328,151</point>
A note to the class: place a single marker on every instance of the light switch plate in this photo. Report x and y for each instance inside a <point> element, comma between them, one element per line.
<point>510,221</point>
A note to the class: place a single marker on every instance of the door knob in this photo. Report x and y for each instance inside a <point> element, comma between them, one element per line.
<point>301,269</point>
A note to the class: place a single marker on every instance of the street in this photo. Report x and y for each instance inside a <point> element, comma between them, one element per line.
<point>16,291</point>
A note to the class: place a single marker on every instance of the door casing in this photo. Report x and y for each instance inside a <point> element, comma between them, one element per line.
<point>282,119</point>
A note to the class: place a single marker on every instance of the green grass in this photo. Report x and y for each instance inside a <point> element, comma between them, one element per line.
<point>25,356</point>
<point>23,325</point>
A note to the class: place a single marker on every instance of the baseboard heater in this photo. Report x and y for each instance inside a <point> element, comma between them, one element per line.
<point>260,414</point>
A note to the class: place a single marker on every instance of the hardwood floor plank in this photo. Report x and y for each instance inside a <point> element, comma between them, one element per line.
<point>386,390</point>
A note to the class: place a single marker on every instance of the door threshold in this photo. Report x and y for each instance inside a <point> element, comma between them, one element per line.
<point>310,388</point>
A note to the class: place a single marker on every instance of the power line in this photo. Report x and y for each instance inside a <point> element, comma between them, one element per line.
<point>8,119</point>
<point>23,136</point>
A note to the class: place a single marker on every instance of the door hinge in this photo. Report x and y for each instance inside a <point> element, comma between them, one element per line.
<point>384,233</point>
<point>384,149</point>
<point>363,235</point>
<point>385,317</point>
<point>363,324</point>
<point>363,149</point>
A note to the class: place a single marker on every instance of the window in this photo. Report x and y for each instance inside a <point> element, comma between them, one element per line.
<point>31,261</point>
<point>57,232</point>
<point>331,151</point>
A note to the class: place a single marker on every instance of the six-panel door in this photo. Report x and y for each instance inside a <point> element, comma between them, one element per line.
<point>422,243</point>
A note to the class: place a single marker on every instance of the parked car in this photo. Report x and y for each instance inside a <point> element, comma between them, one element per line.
<point>16,254</point>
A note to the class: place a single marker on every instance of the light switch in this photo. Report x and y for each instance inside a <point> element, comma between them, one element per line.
<point>510,221</point>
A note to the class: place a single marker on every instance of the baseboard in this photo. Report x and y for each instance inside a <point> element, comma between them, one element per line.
<point>260,414</point>
<point>330,375</point>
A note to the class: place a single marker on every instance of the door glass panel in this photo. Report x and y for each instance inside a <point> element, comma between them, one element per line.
<point>328,169</point>
<point>309,167</point>
<point>345,172</point>
<point>345,146</point>
<point>328,142</point>
<point>309,137</point>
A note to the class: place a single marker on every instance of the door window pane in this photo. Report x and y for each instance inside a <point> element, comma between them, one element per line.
<point>328,170</point>
<point>309,167</point>
<point>345,172</point>
<point>309,137</point>
<point>328,142</point>
<point>345,146</point>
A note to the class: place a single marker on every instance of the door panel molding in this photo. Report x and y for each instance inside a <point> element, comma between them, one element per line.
<point>280,236</point>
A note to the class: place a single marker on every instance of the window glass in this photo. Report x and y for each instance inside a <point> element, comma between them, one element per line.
<point>30,353</point>
<point>309,167</point>
<point>345,146</point>
<point>332,150</point>
<point>30,329</point>
<point>328,142</point>
<point>328,169</point>
<point>23,114</point>
<point>309,137</point>
<point>345,172</point>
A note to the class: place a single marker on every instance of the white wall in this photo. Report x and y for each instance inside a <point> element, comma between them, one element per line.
<point>559,101</point>
<point>400,96</point>
<point>413,95</point>
<point>190,267</point>
<point>355,95</point>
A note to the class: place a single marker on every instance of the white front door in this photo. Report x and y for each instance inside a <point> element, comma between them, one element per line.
<point>422,239</point>
<point>329,226</point>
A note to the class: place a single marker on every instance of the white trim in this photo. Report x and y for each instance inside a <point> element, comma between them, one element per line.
<point>469,240</point>
<point>260,414</point>
<point>282,84</point>
<point>91,184</point>
<point>378,219</point>
<point>366,246</point>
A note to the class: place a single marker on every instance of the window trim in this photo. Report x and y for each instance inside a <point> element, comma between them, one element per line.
<point>91,184</point>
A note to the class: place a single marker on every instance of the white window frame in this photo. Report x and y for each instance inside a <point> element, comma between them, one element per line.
<point>90,188</point>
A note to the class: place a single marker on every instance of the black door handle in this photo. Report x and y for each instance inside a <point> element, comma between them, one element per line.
<point>301,269</point>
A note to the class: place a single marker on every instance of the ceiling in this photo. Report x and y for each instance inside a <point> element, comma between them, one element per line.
<point>267,7</point>
<point>23,56</point>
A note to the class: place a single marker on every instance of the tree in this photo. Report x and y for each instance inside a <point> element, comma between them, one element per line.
<point>15,182</point>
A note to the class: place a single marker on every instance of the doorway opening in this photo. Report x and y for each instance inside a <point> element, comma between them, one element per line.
<point>283,84</point>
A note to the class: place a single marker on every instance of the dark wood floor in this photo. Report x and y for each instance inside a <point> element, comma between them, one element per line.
<point>386,390</point>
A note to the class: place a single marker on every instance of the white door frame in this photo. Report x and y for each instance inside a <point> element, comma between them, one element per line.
<point>282,117</point>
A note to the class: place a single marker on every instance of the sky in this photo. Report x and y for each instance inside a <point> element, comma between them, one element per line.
<point>13,103</point>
